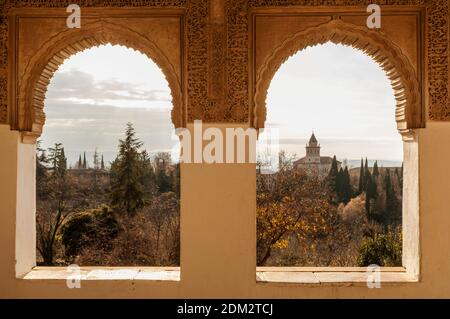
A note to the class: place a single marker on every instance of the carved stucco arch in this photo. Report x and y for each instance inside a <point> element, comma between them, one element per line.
<point>42,66</point>
<point>389,57</point>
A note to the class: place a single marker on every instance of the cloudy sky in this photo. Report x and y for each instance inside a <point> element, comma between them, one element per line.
<point>336,91</point>
<point>96,92</point>
<point>340,94</point>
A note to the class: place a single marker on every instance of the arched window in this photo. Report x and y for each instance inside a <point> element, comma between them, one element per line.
<point>344,209</point>
<point>107,164</point>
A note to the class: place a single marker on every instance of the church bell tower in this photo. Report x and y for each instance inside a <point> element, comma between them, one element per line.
<point>313,150</point>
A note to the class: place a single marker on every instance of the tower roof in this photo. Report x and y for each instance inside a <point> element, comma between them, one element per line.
<point>312,140</point>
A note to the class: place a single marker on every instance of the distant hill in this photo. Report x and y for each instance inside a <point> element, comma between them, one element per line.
<point>381,163</point>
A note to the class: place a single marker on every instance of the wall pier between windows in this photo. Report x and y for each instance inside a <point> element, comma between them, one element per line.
<point>217,258</point>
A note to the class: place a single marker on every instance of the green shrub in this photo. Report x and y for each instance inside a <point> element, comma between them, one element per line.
<point>383,249</point>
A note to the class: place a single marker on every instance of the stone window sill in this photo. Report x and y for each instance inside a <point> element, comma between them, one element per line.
<point>330,275</point>
<point>105,273</point>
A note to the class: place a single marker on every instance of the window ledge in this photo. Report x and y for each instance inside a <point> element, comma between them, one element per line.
<point>104,273</point>
<point>328,275</point>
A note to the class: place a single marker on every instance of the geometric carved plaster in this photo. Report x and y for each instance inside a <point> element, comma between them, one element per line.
<point>390,58</point>
<point>201,47</point>
<point>51,55</point>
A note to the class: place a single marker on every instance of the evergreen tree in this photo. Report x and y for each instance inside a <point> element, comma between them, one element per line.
<point>62,162</point>
<point>333,176</point>
<point>96,160</point>
<point>80,162</point>
<point>41,172</point>
<point>57,160</point>
<point>392,213</point>
<point>340,187</point>
<point>102,164</point>
<point>127,191</point>
<point>84,160</point>
<point>370,193</point>
<point>347,192</point>
<point>96,168</point>
<point>176,180</point>
<point>162,174</point>
<point>399,175</point>
<point>376,171</point>
<point>148,175</point>
<point>163,181</point>
<point>366,171</point>
<point>362,182</point>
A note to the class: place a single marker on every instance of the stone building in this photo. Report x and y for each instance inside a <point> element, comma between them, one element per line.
<point>313,163</point>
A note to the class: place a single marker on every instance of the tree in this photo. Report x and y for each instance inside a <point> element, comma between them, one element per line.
<point>80,162</point>
<point>102,164</point>
<point>41,172</point>
<point>175,174</point>
<point>375,171</point>
<point>366,172</point>
<point>84,161</point>
<point>96,168</point>
<point>382,250</point>
<point>159,211</point>
<point>371,192</point>
<point>333,179</point>
<point>346,191</point>
<point>340,185</point>
<point>96,160</point>
<point>392,204</point>
<point>148,175</point>
<point>62,165</point>
<point>51,213</point>
<point>399,175</point>
<point>163,178</point>
<point>54,156</point>
<point>127,191</point>
<point>362,181</point>
<point>97,227</point>
<point>289,202</point>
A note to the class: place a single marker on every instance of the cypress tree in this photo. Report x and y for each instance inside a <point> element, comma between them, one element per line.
<point>392,205</point>
<point>370,193</point>
<point>333,176</point>
<point>340,185</point>
<point>84,160</point>
<point>80,162</point>
<point>96,160</point>
<point>366,170</point>
<point>361,178</point>
<point>62,162</point>
<point>102,164</point>
<point>376,172</point>
<point>347,187</point>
